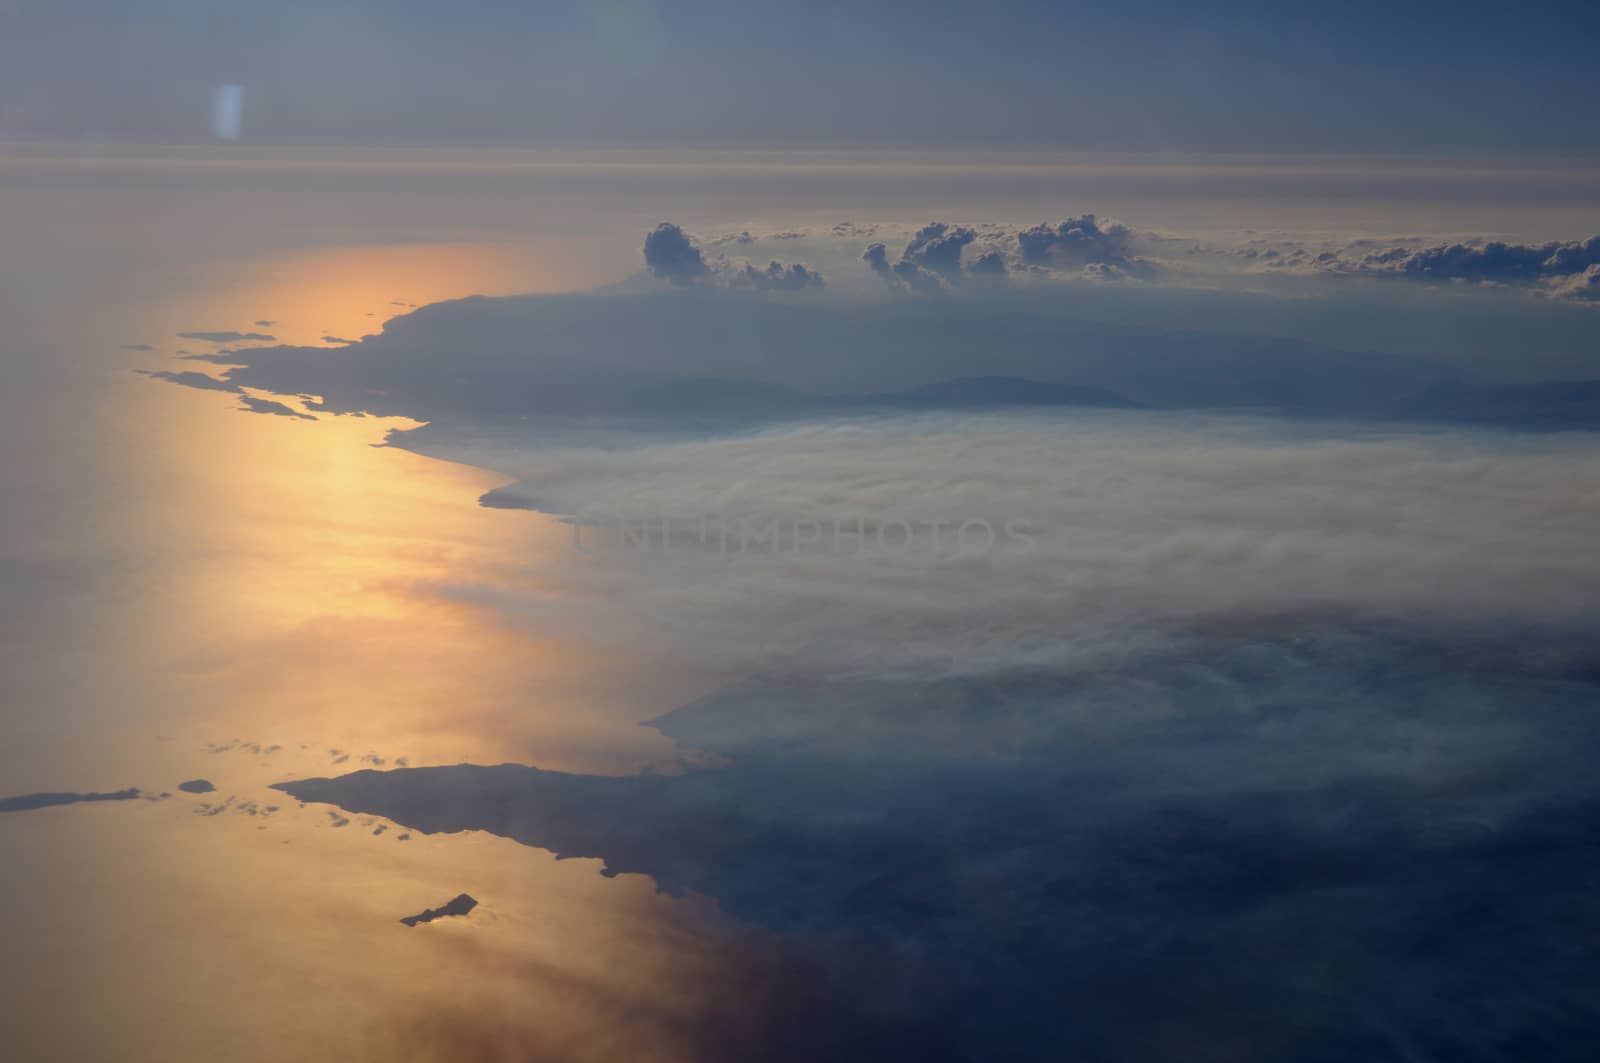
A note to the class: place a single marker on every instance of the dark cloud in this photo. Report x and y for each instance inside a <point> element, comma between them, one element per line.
<point>1079,241</point>
<point>227,336</point>
<point>1488,261</point>
<point>137,347</point>
<point>197,786</point>
<point>989,264</point>
<point>937,248</point>
<point>931,259</point>
<point>876,256</point>
<point>903,275</point>
<point>777,277</point>
<point>1562,269</point>
<point>914,278</point>
<point>671,255</point>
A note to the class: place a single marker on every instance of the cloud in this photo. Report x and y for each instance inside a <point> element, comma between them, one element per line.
<point>930,261</point>
<point>777,277</point>
<point>1482,261</point>
<point>876,256</point>
<point>937,248</point>
<point>989,264</point>
<point>903,275</point>
<point>1558,268</point>
<point>671,255</point>
<point>914,278</point>
<point>1583,286</point>
<point>1132,523</point>
<point>1077,242</point>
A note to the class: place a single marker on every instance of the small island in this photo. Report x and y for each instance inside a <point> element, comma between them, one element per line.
<point>460,905</point>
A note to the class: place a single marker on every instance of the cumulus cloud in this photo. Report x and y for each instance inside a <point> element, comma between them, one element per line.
<point>931,259</point>
<point>989,264</point>
<point>777,277</point>
<point>671,255</point>
<point>1557,268</point>
<point>937,247</point>
<point>1078,242</point>
<point>1583,286</point>
<point>876,256</point>
<point>904,275</point>
<point>1487,261</point>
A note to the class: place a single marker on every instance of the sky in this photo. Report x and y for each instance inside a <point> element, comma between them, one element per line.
<point>917,531</point>
<point>1473,78</point>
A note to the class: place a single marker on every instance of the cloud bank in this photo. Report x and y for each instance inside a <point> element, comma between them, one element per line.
<point>1134,524</point>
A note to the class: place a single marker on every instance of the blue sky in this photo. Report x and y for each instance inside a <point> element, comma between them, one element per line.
<point>1476,78</point>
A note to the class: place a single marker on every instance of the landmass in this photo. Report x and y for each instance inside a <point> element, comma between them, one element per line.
<point>461,904</point>
<point>30,802</point>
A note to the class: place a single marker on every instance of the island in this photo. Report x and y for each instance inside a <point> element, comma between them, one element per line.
<point>461,904</point>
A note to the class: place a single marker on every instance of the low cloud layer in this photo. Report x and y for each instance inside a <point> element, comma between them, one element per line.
<point>1132,525</point>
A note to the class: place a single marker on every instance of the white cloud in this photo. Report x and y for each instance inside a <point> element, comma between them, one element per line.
<point>1137,524</point>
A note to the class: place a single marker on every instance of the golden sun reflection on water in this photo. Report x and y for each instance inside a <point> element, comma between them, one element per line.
<point>348,292</point>
<point>311,554</point>
<point>289,622</point>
